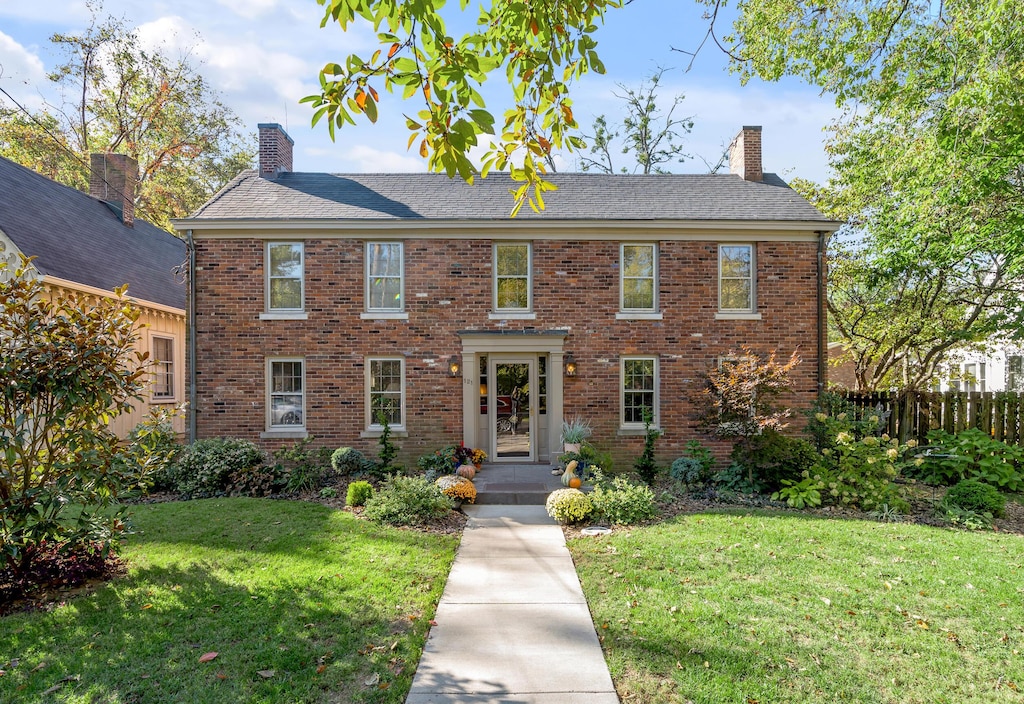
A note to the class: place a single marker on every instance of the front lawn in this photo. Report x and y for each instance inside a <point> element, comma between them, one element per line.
<point>301,603</point>
<point>778,607</point>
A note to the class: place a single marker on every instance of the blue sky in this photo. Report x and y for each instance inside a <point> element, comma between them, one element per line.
<point>262,56</point>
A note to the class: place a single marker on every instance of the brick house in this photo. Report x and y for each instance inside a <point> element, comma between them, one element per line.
<point>91,243</point>
<point>320,299</point>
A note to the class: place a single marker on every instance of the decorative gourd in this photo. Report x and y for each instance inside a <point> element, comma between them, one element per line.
<point>570,473</point>
<point>575,482</point>
<point>466,470</point>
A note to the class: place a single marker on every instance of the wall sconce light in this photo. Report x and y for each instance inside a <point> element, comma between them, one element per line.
<point>453,366</point>
<point>483,389</point>
<point>570,364</point>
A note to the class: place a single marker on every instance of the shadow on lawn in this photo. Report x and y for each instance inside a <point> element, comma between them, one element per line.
<point>140,640</point>
<point>262,525</point>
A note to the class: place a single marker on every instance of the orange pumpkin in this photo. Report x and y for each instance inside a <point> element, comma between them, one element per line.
<point>574,482</point>
<point>466,470</point>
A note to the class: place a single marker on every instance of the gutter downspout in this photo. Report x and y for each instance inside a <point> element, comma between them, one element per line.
<point>822,316</point>
<point>190,243</point>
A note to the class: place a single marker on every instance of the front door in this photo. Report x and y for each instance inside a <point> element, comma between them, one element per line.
<point>513,402</point>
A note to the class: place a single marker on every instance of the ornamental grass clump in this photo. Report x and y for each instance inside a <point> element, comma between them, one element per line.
<point>457,488</point>
<point>569,506</point>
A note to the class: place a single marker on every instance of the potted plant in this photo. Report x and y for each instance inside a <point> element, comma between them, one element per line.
<point>574,431</point>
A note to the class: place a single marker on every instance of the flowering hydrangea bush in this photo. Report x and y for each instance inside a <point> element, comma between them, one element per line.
<point>855,470</point>
<point>455,487</point>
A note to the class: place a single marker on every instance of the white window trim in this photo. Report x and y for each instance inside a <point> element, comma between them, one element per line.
<point>739,313</point>
<point>372,426</point>
<point>283,430</point>
<point>376,313</point>
<point>656,421</point>
<point>173,398</point>
<point>638,313</point>
<point>510,313</point>
<point>285,313</point>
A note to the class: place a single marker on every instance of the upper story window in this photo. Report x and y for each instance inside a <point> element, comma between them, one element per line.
<point>639,390</point>
<point>163,367</point>
<point>974,376</point>
<point>385,392</point>
<point>512,274</point>
<point>1015,372</point>
<point>286,402</point>
<point>385,286</point>
<point>736,278</point>
<point>638,278</point>
<point>285,276</point>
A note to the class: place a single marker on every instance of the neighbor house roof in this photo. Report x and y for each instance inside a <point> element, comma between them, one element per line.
<point>580,196</point>
<point>77,237</point>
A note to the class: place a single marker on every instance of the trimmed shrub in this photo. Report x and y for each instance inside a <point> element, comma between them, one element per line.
<point>358,493</point>
<point>687,470</point>
<point>972,495</point>
<point>347,461</point>
<point>257,480</point>
<point>624,502</point>
<point>204,468</point>
<point>404,501</point>
<point>569,506</point>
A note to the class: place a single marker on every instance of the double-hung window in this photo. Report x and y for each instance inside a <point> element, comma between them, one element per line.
<point>512,277</point>
<point>736,278</point>
<point>163,368</point>
<point>385,286</point>
<point>639,391</point>
<point>638,278</point>
<point>1015,372</point>
<point>385,392</point>
<point>286,402</point>
<point>285,277</point>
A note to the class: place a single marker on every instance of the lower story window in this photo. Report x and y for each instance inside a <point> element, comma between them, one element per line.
<point>163,368</point>
<point>287,401</point>
<point>385,392</point>
<point>639,391</point>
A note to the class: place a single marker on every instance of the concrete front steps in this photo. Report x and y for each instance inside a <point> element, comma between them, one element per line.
<point>515,484</point>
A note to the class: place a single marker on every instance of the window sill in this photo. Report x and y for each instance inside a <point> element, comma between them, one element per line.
<point>384,315</point>
<point>636,432</point>
<point>163,401</point>
<point>376,433</point>
<point>638,316</point>
<point>512,315</point>
<point>298,315</point>
<point>737,316</point>
<point>297,434</point>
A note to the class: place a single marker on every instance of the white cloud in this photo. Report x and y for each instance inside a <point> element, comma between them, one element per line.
<point>368,159</point>
<point>22,73</point>
<point>250,10</point>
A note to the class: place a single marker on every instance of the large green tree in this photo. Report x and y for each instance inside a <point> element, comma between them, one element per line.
<point>120,97</point>
<point>929,168</point>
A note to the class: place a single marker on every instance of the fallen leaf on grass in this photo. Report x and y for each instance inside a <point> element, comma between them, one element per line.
<point>320,669</point>
<point>221,676</point>
<point>207,657</point>
<point>60,684</point>
<point>372,681</point>
<point>433,622</point>
<point>266,674</point>
<point>38,667</point>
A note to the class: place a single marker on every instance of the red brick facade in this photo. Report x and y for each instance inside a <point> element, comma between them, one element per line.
<point>448,288</point>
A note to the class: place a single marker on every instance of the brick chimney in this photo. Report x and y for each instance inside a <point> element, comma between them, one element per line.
<point>112,179</point>
<point>275,150</point>
<point>745,154</point>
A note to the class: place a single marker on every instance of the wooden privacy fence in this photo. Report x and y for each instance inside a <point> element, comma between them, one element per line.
<point>910,415</point>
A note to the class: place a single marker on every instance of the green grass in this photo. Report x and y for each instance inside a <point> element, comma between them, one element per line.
<point>785,608</point>
<point>323,600</point>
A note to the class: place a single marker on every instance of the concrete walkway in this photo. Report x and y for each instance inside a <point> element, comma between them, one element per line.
<point>512,625</point>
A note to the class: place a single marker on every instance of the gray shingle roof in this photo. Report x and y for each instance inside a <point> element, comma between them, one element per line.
<point>435,196</point>
<point>79,238</point>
